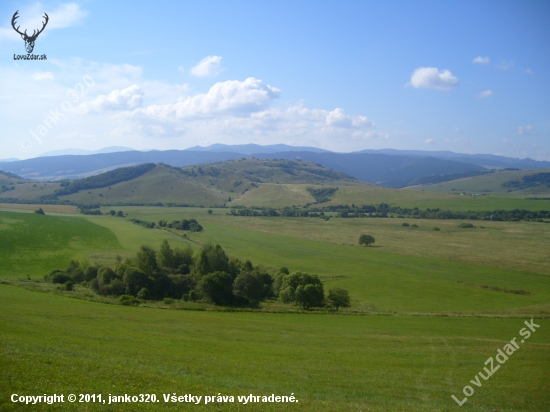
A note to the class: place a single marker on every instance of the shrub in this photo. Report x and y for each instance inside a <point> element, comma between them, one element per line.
<point>143,294</point>
<point>68,285</point>
<point>404,224</point>
<point>414,225</point>
<point>128,300</point>
<point>466,226</point>
<point>61,277</point>
<point>39,212</point>
<point>436,228</point>
<point>168,301</point>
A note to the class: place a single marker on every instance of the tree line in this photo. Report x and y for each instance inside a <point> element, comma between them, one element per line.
<point>209,275</point>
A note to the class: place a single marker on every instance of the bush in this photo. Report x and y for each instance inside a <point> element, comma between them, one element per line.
<point>404,224</point>
<point>168,301</point>
<point>143,294</point>
<point>39,212</point>
<point>436,228</point>
<point>414,225</point>
<point>128,300</point>
<point>466,226</point>
<point>61,277</point>
<point>68,285</point>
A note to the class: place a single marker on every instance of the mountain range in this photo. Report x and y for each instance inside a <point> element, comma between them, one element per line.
<point>387,167</point>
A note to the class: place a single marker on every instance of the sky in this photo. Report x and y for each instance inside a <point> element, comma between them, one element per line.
<point>465,76</point>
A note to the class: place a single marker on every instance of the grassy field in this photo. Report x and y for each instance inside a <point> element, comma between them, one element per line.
<point>51,344</point>
<point>492,183</point>
<point>431,325</point>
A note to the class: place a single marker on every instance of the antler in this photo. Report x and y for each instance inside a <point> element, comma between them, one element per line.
<point>15,16</point>
<point>43,26</point>
<point>34,33</point>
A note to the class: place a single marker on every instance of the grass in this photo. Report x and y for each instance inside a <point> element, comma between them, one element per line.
<point>490,183</point>
<point>523,246</point>
<point>51,344</point>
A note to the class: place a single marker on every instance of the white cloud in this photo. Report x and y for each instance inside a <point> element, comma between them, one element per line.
<point>231,97</point>
<point>125,99</point>
<point>42,76</point>
<point>484,94</point>
<point>481,60</point>
<point>429,141</point>
<point>505,65</point>
<point>209,66</point>
<point>525,130</point>
<point>338,118</point>
<point>528,71</point>
<point>432,78</point>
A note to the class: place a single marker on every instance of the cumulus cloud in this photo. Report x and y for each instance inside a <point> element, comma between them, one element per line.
<point>232,97</point>
<point>125,99</point>
<point>429,141</point>
<point>42,76</point>
<point>209,66</point>
<point>525,130</point>
<point>240,111</point>
<point>484,94</point>
<point>432,78</point>
<point>481,60</point>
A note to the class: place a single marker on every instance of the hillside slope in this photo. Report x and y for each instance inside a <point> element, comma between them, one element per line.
<point>213,184</point>
<point>525,183</point>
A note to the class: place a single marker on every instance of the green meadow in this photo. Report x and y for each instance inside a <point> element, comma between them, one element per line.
<point>51,344</point>
<point>423,319</point>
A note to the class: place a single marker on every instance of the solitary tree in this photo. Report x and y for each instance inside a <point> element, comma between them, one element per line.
<point>366,240</point>
<point>338,297</point>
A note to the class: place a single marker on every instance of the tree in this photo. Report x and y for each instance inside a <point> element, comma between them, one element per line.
<point>249,286</point>
<point>120,213</point>
<point>217,288</point>
<point>366,240</point>
<point>135,280</point>
<point>40,211</point>
<point>338,297</point>
<point>212,259</point>
<point>146,259</point>
<point>302,289</point>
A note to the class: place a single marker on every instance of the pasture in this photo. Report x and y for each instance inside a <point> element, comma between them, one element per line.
<point>420,327</point>
<point>51,344</point>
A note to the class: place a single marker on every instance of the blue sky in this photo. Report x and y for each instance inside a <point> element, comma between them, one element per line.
<point>465,76</point>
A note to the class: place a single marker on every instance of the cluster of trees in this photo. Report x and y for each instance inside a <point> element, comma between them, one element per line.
<point>112,177</point>
<point>209,275</point>
<point>384,210</point>
<point>322,195</point>
<point>538,179</point>
<point>185,224</point>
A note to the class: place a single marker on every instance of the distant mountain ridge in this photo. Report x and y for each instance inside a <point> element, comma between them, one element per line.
<point>80,152</point>
<point>388,167</point>
<point>251,148</point>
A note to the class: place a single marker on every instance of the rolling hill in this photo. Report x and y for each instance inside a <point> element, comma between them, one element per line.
<point>204,185</point>
<point>524,183</point>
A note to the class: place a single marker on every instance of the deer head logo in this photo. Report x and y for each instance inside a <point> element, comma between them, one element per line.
<point>29,40</point>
